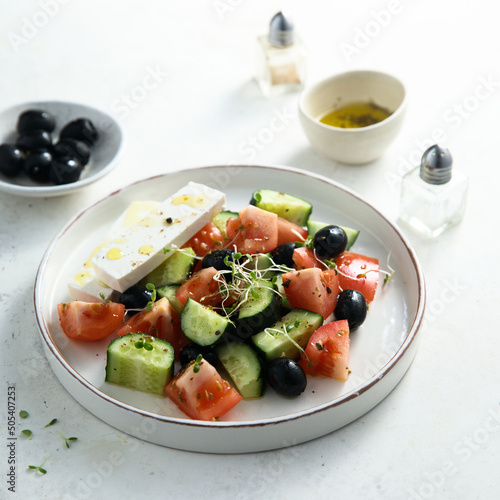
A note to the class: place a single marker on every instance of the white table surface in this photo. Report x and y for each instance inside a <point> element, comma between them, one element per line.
<point>437,434</point>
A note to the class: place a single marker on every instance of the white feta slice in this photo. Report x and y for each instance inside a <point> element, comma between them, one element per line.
<point>84,285</point>
<point>139,248</point>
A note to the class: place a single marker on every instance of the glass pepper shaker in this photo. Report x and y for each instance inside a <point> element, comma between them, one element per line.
<point>281,58</point>
<point>432,196</point>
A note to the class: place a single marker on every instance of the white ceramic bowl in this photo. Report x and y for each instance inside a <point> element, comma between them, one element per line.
<point>355,145</point>
<point>104,156</point>
<point>381,349</point>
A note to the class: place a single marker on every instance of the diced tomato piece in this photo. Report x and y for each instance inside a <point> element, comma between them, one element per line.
<point>304,258</point>
<point>327,352</point>
<point>290,232</point>
<point>202,394</point>
<point>358,272</point>
<point>254,231</point>
<point>162,321</point>
<point>208,238</point>
<point>312,289</point>
<point>201,287</point>
<point>90,320</point>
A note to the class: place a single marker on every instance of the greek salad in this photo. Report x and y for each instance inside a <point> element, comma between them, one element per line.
<point>208,306</point>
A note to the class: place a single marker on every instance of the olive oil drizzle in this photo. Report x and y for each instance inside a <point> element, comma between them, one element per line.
<point>356,115</point>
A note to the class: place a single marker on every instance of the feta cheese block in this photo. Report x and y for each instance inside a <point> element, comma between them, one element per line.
<point>85,285</point>
<point>140,248</point>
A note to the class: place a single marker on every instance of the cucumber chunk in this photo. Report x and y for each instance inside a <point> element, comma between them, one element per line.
<point>201,324</point>
<point>299,324</point>
<point>173,271</point>
<point>168,291</point>
<point>140,362</point>
<point>314,226</point>
<point>243,366</point>
<point>260,310</point>
<point>220,220</point>
<point>285,205</point>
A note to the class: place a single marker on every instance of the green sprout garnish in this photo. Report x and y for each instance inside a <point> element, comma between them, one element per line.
<point>148,346</point>
<point>23,414</point>
<point>152,289</point>
<point>139,344</point>
<point>27,432</point>
<point>38,467</point>
<point>66,440</point>
<point>52,422</point>
<point>196,366</point>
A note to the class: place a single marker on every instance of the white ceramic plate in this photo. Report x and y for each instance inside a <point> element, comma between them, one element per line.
<point>104,156</point>
<point>381,349</point>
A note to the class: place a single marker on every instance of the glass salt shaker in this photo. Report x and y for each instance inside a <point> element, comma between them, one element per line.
<point>281,58</point>
<point>432,197</point>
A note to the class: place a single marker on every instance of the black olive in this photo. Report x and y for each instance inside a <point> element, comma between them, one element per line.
<point>217,259</point>
<point>283,254</point>
<point>286,377</point>
<point>65,170</point>
<point>35,119</point>
<point>81,129</point>
<point>11,160</point>
<point>32,140</point>
<point>73,149</point>
<point>135,297</point>
<point>191,351</point>
<point>351,305</point>
<point>37,165</point>
<point>329,242</point>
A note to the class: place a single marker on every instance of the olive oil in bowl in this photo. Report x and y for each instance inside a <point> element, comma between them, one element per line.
<point>355,115</point>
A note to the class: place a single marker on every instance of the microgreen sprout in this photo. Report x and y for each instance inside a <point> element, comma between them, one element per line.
<point>390,274</point>
<point>23,414</point>
<point>52,422</point>
<point>39,468</point>
<point>152,289</point>
<point>246,278</point>
<point>196,366</point>
<point>66,440</point>
<point>27,432</point>
<point>139,344</point>
<point>103,297</point>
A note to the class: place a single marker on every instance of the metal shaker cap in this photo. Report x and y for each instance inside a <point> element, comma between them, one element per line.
<point>436,164</point>
<point>281,30</point>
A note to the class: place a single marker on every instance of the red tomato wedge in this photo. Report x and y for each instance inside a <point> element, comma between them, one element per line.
<point>254,231</point>
<point>304,258</point>
<point>162,321</point>
<point>202,395</point>
<point>358,272</point>
<point>90,320</point>
<point>312,289</point>
<point>290,232</point>
<point>327,352</point>
<point>208,238</point>
<point>201,287</point>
